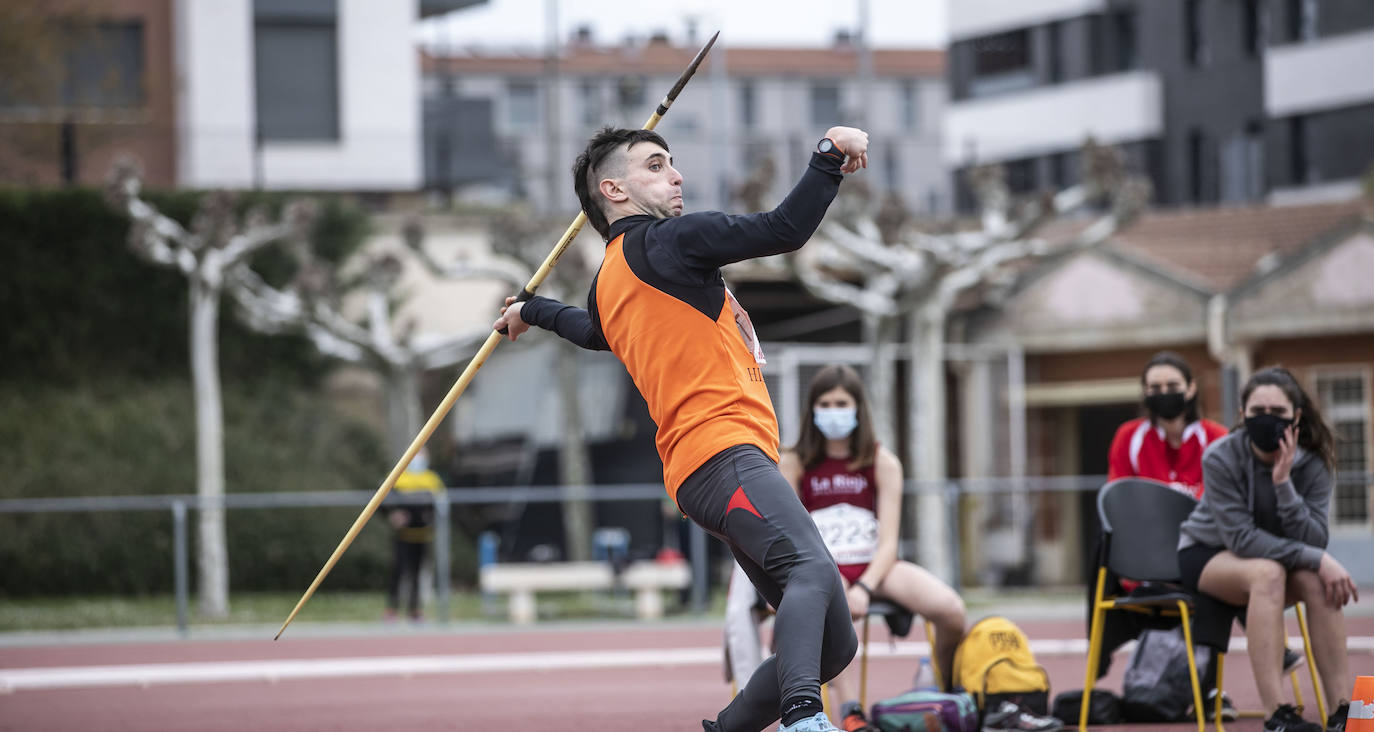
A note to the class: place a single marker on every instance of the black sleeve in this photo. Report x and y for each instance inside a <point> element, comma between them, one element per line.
<point>709,240</point>
<point>571,323</point>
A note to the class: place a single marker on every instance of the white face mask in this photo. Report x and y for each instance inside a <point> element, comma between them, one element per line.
<point>836,423</point>
<point>419,463</point>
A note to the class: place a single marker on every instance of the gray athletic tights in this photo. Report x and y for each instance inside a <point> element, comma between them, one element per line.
<point>740,497</point>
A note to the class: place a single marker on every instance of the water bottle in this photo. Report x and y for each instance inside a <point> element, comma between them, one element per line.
<point>925,676</point>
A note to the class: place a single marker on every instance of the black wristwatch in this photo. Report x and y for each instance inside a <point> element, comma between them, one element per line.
<point>827,146</point>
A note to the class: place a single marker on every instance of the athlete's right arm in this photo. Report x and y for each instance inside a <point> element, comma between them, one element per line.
<point>571,323</point>
<point>706,241</point>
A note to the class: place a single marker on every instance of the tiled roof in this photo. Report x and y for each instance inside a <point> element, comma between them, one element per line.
<point>1220,248</point>
<point>661,58</point>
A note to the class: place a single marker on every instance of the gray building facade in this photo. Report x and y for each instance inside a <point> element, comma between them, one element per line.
<point>533,113</point>
<point>1217,101</point>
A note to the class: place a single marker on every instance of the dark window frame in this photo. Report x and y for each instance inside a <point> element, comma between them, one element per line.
<point>1196,52</point>
<point>272,82</point>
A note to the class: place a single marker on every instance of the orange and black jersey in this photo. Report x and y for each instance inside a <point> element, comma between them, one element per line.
<point>660,304</point>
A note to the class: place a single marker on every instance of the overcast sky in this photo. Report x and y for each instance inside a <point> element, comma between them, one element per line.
<point>508,23</point>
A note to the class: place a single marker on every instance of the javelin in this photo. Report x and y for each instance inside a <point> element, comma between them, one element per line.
<point>476,363</point>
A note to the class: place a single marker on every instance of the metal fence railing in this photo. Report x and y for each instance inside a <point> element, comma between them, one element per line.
<point>1029,530</point>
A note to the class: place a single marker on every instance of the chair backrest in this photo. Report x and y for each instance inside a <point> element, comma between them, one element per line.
<point>1140,518</point>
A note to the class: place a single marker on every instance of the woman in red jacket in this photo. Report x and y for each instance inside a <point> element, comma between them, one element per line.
<point>1167,444</point>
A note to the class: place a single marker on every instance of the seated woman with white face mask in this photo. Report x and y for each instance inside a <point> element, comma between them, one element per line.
<point>853,488</point>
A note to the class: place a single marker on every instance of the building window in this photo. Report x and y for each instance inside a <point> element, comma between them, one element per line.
<point>1344,397</point>
<point>522,104</point>
<point>1020,175</point>
<point>892,168</point>
<point>104,66</point>
<point>1197,166</point>
<point>1302,20</point>
<point>1113,42</point>
<point>296,52</point>
<point>1254,22</point>
<point>1242,165</point>
<point>748,105</point>
<point>1054,40</point>
<point>910,104</point>
<point>1002,63</point>
<point>629,93</point>
<point>1121,47</point>
<point>1063,170</point>
<point>1195,33</point>
<point>1299,170</point>
<point>590,100</point>
<point>825,103</point>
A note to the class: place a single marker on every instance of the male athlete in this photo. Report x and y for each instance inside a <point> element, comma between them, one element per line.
<point>660,305</point>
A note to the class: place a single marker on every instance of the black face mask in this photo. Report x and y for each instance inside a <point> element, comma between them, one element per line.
<point>1265,430</point>
<point>1167,405</point>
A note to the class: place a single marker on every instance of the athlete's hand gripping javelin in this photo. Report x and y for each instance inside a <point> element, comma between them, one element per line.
<point>510,319</point>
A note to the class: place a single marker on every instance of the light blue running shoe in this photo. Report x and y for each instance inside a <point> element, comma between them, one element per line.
<point>817,723</point>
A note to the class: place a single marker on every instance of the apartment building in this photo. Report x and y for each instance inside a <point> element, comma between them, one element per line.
<point>511,123</point>
<point>280,94</point>
<point>1218,101</point>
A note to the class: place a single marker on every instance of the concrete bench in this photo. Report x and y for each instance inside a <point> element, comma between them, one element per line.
<point>522,580</point>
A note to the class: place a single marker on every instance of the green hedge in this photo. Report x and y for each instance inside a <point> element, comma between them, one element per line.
<point>95,400</point>
<point>139,439</point>
<point>80,307</point>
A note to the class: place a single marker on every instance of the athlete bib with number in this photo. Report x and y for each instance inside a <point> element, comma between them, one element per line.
<point>849,532</point>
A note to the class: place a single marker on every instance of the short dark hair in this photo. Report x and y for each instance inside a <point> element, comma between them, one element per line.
<point>603,143</point>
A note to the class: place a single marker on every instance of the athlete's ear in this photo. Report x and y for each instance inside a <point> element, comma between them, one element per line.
<point>613,191</point>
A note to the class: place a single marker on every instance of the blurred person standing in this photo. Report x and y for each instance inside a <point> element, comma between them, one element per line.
<point>413,526</point>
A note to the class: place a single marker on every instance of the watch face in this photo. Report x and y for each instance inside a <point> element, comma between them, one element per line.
<point>826,145</point>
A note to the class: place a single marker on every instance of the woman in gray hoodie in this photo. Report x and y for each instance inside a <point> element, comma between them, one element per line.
<point>1258,539</point>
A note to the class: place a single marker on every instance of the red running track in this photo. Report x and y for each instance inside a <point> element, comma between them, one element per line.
<point>669,688</point>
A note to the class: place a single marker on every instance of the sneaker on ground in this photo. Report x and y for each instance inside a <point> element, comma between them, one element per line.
<point>816,723</point>
<point>1228,710</point>
<point>1009,715</point>
<point>1336,722</point>
<point>1291,660</point>
<point>1287,719</point>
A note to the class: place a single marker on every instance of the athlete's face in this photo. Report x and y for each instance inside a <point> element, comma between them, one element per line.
<point>650,183</point>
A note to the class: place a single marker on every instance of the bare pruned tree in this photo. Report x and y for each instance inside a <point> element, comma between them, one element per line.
<point>890,270</point>
<point>311,304</point>
<point>218,242</point>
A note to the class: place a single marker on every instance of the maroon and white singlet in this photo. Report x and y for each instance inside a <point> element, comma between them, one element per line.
<point>843,503</point>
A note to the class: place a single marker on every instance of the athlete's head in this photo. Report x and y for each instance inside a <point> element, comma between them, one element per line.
<point>623,173</point>
<point>835,400</point>
<point>1167,387</point>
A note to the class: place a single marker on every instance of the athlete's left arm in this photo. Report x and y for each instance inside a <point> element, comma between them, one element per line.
<point>572,323</point>
<point>709,240</point>
<point>888,471</point>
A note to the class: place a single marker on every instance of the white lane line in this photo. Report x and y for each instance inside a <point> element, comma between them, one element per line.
<point>66,677</point>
